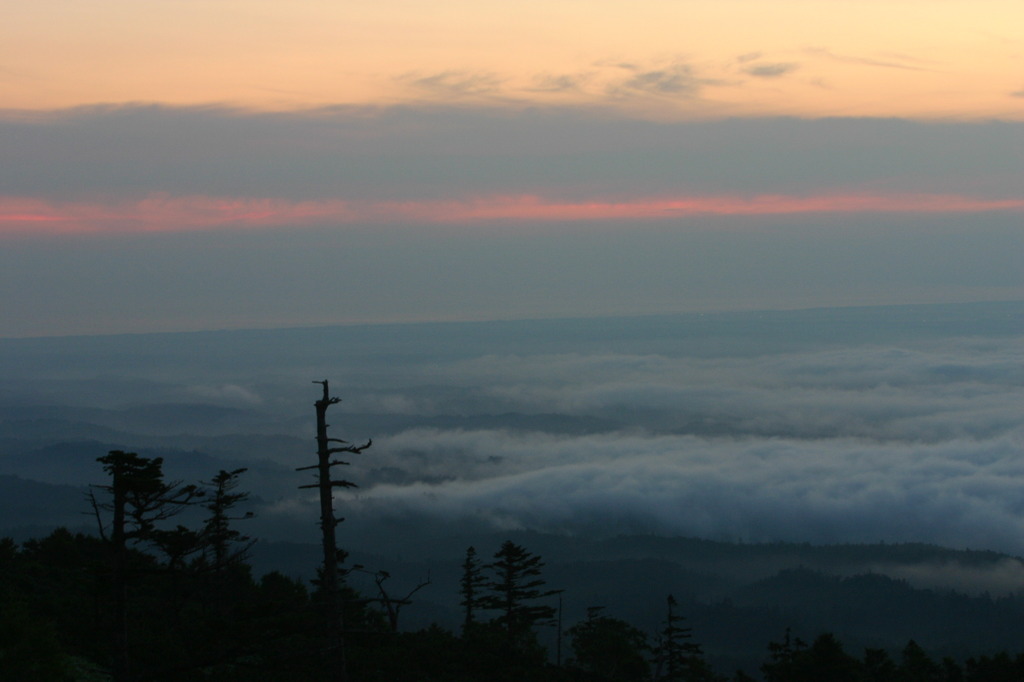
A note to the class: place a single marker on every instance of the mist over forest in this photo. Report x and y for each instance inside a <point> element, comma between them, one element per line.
<point>741,460</point>
<point>892,424</point>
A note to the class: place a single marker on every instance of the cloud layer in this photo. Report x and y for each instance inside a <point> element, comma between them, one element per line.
<point>915,442</point>
<point>352,154</point>
<point>894,424</point>
<point>159,218</point>
<point>152,168</point>
<point>959,493</point>
<point>31,217</point>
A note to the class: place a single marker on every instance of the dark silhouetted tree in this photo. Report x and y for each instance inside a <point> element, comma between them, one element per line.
<point>609,648</point>
<point>825,659</point>
<point>471,587</point>
<point>1000,667</point>
<point>514,589</point>
<point>137,500</point>
<point>677,657</point>
<point>781,663</point>
<point>878,666</point>
<point>916,666</point>
<point>224,546</point>
<point>393,605</point>
<point>332,556</point>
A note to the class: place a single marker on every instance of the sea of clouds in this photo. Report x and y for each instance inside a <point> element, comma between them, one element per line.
<point>825,427</point>
<point>915,441</point>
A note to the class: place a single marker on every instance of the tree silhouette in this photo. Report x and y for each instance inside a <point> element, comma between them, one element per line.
<point>678,658</point>
<point>916,666</point>
<point>223,545</point>
<point>329,579</point>
<point>791,660</point>
<point>514,588</point>
<point>825,659</point>
<point>782,658</point>
<point>471,586</point>
<point>609,648</point>
<point>138,499</point>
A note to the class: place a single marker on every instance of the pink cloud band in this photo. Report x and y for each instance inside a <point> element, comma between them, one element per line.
<point>165,213</point>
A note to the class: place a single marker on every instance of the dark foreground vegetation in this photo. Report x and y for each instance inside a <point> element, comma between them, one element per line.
<point>148,598</point>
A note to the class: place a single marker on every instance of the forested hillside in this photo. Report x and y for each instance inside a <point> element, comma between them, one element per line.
<point>165,589</point>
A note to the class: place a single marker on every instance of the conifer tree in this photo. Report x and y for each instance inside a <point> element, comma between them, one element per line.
<point>915,665</point>
<point>471,585</point>
<point>610,647</point>
<point>223,545</point>
<point>515,587</point>
<point>678,658</point>
<point>783,657</point>
<point>139,499</point>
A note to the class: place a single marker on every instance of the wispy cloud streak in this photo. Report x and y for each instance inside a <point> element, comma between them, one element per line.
<point>160,212</point>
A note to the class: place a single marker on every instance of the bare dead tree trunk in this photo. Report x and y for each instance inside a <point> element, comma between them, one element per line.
<point>393,605</point>
<point>332,556</point>
<point>335,615</point>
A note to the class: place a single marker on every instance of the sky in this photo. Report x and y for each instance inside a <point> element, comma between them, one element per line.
<point>203,165</point>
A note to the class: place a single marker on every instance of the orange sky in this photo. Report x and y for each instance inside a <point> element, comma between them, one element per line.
<point>651,58</point>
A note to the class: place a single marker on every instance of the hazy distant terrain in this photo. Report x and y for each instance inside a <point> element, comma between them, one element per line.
<point>827,426</point>
<point>862,424</point>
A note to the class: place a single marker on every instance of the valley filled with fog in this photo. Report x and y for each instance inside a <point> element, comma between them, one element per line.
<point>892,424</point>
<point>769,468</point>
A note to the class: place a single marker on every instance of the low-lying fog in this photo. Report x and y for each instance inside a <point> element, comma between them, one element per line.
<point>834,425</point>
